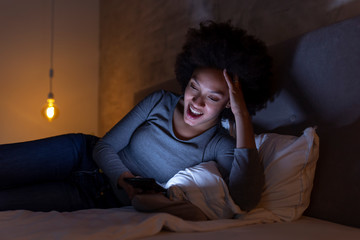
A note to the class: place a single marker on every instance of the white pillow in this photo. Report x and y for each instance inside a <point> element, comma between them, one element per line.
<point>289,167</point>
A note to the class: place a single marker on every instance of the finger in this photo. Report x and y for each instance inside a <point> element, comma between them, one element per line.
<point>227,78</point>
<point>237,81</point>
<point>236,78</point>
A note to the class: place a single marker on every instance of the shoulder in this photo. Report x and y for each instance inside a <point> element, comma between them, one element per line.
<point>158,102</point>
<point>161,95</point>
<point>222,139</point>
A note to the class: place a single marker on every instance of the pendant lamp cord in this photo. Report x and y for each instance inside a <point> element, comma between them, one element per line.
<point>51,72</point>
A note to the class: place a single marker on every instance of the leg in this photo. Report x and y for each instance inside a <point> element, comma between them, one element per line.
<point>56,173</point>
<point>44,160</point>
<point>58,196</point>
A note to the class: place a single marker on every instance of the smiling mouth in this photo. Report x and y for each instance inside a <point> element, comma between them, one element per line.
<point>193,113</point>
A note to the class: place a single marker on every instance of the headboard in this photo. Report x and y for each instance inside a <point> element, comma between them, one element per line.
<point>318,77</point>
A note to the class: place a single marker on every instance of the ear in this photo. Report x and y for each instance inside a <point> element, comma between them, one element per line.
<point>228,105</point>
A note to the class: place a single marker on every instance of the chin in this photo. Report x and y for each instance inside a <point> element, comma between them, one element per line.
<point>189,122</point>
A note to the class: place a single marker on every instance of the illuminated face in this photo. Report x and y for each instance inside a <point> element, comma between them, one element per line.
<point>206,95</point>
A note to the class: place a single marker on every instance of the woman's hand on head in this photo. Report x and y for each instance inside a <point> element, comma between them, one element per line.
<point>236,97</point>
<point>244,130</point>
<point>130,190</point>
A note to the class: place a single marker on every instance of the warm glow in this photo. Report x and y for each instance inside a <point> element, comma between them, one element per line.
<point>50,111</point>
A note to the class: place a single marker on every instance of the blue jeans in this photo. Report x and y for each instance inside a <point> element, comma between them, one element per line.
<point>56,173</point>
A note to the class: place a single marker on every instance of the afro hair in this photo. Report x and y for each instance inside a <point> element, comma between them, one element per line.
<point>223,46</point>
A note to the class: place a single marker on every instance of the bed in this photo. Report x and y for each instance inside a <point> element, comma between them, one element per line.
<point>307,138</point>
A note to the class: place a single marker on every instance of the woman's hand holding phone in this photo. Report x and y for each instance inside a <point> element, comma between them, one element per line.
<point>129,189</point>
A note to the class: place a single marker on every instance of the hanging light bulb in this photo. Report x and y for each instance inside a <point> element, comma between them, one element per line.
<point>50,111</point>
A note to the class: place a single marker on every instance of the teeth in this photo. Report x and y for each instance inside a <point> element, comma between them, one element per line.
<point>194,111</point>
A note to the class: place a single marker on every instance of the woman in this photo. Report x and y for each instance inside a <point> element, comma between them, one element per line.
<point>224,74</point>
<point>166,133</point>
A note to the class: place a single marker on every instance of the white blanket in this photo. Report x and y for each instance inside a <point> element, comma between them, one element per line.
<point>204,187</point>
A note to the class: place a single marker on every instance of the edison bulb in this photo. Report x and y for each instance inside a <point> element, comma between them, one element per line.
<point>50,111</point>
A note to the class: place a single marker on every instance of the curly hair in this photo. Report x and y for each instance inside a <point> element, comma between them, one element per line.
<point>223,46</point>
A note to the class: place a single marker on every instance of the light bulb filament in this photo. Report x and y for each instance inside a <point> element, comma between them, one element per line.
<point>50,111</point>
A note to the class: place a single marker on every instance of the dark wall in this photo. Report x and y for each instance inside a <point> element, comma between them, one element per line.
<point>139,39</point>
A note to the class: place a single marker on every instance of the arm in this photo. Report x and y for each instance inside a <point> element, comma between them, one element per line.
<point>246,177</point>
<point>106,150</point>
<point>241,170</point>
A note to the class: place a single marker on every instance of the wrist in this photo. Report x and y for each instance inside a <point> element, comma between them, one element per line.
<point>242,114</point>
<point>243,120</point>
<point>244,132</point>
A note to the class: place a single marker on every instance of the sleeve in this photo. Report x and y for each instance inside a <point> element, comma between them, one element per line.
<point>106,150</point>
<point>246,178</point>
<point>243,171</point>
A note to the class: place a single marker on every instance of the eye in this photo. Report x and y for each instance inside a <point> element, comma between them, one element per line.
<point>214,99</point>
<point>193,86</point>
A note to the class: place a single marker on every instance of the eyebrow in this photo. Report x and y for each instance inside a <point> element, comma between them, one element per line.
<point>214,92</point>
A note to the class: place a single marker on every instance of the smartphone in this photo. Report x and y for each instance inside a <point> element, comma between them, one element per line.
<point>145,184</point>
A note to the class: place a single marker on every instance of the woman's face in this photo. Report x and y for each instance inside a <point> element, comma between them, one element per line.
<point>206,95</point>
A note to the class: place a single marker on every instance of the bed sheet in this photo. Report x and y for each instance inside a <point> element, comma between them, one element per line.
<point>305,228</point>
<point>126,223</point>
<point>118,223</point>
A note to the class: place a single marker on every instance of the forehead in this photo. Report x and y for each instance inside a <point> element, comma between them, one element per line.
<point>211,79</point>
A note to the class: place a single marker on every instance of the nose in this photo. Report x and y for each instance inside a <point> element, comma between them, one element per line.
<point>198,101</point>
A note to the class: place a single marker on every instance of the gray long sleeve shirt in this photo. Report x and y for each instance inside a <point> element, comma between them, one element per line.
<point>144,143</point>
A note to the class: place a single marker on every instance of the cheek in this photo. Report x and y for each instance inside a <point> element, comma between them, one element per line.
<point>188,94</point>
<point>186,91</point>
<point>215,108</point>
<point>186,97</point>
